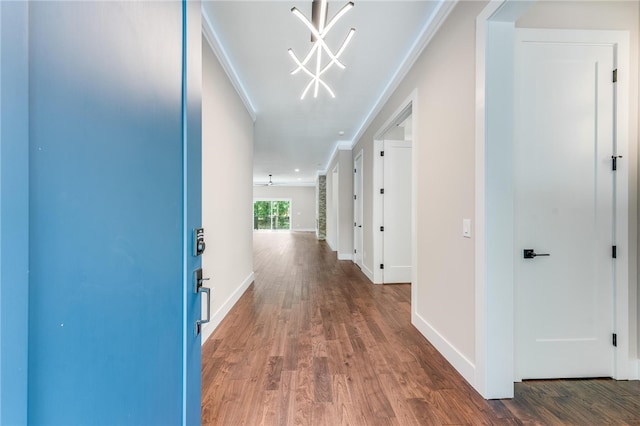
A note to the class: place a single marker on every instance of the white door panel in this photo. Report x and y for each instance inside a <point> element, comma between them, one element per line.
<point>564,207</point>
<point>397,212</point>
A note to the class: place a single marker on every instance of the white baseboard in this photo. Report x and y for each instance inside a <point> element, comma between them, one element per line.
<point>219,315</point>
<point>634,370</point>
<point>465,367</point>
<point>345,256</point>
<point>303,230</point>
<point>368,272</point>
<point>330,244</point>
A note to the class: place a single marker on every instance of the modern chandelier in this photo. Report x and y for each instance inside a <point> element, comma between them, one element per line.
<point>319,30</point>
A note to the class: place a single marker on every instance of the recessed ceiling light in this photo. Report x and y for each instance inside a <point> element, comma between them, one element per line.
<point>297,170</point>
<point>341,133</point>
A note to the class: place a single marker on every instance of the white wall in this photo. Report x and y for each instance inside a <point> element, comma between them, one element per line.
<point>444,143</point>
<point>303,203</point>
<point>227,189</point>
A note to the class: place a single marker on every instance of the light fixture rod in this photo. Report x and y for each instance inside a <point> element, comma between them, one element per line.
<point>319,11</point>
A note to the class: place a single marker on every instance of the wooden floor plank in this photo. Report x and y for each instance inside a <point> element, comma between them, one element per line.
<point>313,342</point>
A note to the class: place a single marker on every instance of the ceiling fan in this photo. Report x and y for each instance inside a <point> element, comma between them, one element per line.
<point>270,183</point>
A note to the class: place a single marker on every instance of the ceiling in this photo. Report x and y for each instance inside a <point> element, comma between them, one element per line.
<point>251,38</point>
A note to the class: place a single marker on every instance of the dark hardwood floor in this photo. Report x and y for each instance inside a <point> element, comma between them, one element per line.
<point>313,342</point>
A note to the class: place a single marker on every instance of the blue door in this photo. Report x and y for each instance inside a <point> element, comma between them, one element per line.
<point>114,197</point>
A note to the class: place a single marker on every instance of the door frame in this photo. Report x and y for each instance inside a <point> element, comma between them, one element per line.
<point>377,276</point>
<point>358,189</point>
<point>495,341</point>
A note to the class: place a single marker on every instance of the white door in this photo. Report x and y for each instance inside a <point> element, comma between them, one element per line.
<point>357,211</point>
<point>564,208</point>
<point>397,212</point>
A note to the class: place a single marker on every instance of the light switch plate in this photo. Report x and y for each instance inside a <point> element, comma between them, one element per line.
<point>466,228</point>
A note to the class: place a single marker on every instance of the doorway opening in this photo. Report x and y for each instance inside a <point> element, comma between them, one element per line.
<point>495,291</point>
<point>394,198</point>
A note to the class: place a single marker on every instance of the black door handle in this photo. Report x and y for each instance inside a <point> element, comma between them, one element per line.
<point>531,254</point>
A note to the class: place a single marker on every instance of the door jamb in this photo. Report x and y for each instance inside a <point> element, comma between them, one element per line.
<point>377,220</point>
<point>358,189</point>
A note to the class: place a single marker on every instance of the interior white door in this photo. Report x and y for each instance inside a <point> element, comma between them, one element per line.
<point>564,207</point>
<point>397,212</point>
<point>357,211</point>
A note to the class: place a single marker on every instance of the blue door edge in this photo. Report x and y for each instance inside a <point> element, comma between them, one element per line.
<point>14,212</point>
<point>192,205</point>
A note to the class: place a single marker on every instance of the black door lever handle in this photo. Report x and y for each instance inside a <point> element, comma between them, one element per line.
<point>531,254</point>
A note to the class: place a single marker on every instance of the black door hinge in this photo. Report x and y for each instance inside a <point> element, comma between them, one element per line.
<point>615,75</point>
<point>614,339</point>
<point>614,252</point>
<point>355,171</point>
<point>355,251</point>
<point>382,228</point>
<point>614,161</point>
<point>382,266</point>
<point>381,153</point>
<point>355,224</point>
<point>382,190</point>
<point>355,197</point>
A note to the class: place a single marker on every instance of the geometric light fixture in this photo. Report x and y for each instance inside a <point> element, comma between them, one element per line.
<point>319,30</point>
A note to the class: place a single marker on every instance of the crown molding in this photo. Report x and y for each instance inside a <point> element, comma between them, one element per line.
<point>338,146</point>
<point>212,39</point>
<point>431,27</point>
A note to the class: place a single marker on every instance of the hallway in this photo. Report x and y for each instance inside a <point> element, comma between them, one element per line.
<point>312,342</point>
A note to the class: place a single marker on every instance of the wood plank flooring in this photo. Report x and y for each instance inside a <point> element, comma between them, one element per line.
<point>313,342</point>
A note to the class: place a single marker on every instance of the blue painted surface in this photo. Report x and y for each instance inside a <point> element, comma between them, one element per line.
<point>14,212</point>
<point>192,103</point>
<point>107,214</point>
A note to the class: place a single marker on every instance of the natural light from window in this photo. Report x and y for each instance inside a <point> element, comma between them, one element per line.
<point>271,215</point>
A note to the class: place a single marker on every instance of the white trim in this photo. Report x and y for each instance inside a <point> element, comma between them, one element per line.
<point>330,245</point>
<point>429,30</point>
<point>480,379</point>
<point>376,210</point>
<point>494,322</point>
<point>303,230</point>
<point>221,313</point>
<point>360,192</point>
<point>345,256</point>
<point>367,272</point>
<point>214,42</point>
<point>455,357</point>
